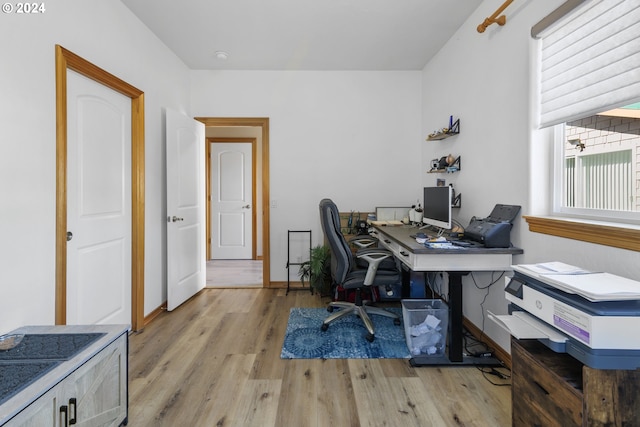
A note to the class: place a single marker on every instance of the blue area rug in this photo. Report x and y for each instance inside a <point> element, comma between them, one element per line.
<point>345,338</point>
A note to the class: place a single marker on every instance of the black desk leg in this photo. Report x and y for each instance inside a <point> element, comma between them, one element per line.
<point>455,315</point>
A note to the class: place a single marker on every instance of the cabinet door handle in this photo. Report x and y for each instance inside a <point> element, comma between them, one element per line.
<point>73,411</point>
<point>64,416</point>
<point>403,253</point>
<point>387,241</point>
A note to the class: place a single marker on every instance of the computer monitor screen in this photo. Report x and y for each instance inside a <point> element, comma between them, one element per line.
<point>437,206</point>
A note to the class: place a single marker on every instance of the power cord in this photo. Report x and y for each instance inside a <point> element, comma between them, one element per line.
<point>488,352</point>
<point>485,351</point>
<point>488,289</point>
<point>486,371</point>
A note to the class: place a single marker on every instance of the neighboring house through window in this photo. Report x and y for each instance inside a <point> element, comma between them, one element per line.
<point>600,163</point>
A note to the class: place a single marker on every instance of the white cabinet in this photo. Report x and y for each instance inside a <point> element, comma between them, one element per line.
<point>94,394</point>
<point>40,413</point>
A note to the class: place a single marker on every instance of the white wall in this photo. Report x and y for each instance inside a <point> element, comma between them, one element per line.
<point>357,137</point>
<point>484,80</point>
<point>107,34</point>
<point>351,136</point>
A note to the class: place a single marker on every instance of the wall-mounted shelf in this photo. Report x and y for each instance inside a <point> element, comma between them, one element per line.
<point>450,168</point>
<point>453,129</point>
<point>457,201</point>
<point>439,136</point>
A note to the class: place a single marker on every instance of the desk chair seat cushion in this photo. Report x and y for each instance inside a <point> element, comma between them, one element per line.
<point>371,293</point>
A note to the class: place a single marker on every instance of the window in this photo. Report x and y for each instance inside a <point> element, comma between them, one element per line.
<point>588,62</point>
<point>598,160</point>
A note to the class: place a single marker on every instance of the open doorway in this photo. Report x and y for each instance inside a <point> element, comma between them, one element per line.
<point>237,128</point>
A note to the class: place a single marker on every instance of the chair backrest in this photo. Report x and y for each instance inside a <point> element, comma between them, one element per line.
<point>341,257</point>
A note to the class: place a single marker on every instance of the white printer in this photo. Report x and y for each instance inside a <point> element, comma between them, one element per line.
<point>595,317</point>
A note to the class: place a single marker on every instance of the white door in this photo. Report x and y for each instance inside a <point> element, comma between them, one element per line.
<point>231,201</point>
<point>98,203</point>
<point>186,227</point>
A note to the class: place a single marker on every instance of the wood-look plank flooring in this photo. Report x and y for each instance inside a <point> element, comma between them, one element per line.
<point>232,273</point>
<point>215,361</point>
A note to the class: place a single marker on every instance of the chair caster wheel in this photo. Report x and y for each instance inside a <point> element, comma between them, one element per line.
<point>396,322</point>
<point>370,337</point>
<point>330,309</point>
<point>324,327</point>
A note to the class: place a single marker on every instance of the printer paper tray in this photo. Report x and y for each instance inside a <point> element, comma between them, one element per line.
<point>522,325</point>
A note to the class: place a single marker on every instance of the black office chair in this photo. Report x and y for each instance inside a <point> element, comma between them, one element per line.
<point>346,273</point>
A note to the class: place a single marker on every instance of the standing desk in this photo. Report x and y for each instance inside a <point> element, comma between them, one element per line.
<point>457,262</point>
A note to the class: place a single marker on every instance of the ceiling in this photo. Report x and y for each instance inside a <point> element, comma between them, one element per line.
<point>304,34</point>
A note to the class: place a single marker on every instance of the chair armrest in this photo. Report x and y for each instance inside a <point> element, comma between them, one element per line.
<point>374,257</point>
<point>376,252</point>
<point>363,241</point>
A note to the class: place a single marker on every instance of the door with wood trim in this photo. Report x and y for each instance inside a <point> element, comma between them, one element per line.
<point>232,200</point>
<point>263,209</point>
<point>67,61</point>
<point>98,203</point>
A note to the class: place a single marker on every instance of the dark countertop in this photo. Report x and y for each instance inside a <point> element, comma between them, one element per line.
<point>36,355</point>
<point>404,235</point>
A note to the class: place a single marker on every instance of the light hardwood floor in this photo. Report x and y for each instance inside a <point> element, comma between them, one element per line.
<point>215,361</point>
<point>231,273</point>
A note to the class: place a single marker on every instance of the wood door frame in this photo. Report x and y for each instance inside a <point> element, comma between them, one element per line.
<point>263,123</point>
<point>66,60</point>
<point>254,144</point>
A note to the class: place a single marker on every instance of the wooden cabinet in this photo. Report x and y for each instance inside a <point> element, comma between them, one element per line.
<point>94,394</point>
<point>546,386</point>
<point>554,389</point>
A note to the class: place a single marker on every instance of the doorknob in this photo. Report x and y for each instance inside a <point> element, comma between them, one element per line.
<point>69,236</point>
<point>246,207</point>
<point>175,219</point>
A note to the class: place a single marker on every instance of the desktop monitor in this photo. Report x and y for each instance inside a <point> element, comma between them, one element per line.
<point>437,206</point>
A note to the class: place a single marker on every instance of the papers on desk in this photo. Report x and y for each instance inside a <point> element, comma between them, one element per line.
<point>442,245</point>
<point>593,286</point>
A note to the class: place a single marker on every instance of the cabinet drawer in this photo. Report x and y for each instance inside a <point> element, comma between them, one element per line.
<point>404,255</point>
<point>387,243</point>
<point>541,395</point>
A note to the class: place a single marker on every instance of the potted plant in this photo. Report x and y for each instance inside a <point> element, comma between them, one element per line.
<point>317,270</point>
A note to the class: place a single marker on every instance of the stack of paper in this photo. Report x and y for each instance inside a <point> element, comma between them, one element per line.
<point>592,286</point>
<point>597,286</point>
<point>554,268</point>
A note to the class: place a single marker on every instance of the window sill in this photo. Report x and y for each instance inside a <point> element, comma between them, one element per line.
<point>617,236</point>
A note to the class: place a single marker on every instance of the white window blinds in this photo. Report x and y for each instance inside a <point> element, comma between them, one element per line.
<point>590,61</point>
